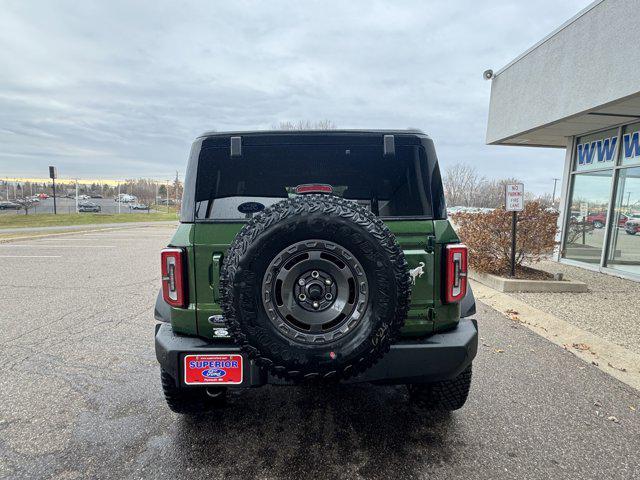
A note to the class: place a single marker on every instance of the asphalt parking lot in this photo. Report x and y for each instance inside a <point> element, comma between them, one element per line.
<point>80,394</point>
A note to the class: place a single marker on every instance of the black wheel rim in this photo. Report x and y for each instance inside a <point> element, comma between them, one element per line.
<point>315,291</point>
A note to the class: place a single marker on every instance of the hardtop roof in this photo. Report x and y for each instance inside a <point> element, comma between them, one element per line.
<point>355,132</point>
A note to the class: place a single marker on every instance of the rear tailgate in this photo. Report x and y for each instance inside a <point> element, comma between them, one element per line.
<point>412,235</point>
<point>208,260</point>
<point>416,237</point>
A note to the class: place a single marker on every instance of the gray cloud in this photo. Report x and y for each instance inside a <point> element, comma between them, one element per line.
<point>118,89</point>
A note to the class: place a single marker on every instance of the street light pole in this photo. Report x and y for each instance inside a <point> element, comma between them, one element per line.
<point>77,195</point>
<point>119,199</point>
<point>53,174</point>
<point>55,210</point>
<point>175,194</point>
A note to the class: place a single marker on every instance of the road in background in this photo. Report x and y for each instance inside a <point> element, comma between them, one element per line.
<point>80,394</point>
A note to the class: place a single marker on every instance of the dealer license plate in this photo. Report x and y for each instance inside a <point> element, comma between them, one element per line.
<point>218,369</point>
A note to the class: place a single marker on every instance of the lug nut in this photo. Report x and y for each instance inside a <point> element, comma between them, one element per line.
<point>327,281</point>
<point>301,282</point>
<point>302,297</point>
<point>315,274</point>
<point>316,305</point>
<point>328,296</point>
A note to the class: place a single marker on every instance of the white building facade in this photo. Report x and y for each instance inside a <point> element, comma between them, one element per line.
<point>579,89</point>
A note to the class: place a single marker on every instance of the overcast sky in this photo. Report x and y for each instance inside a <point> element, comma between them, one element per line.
<point>116,89</point>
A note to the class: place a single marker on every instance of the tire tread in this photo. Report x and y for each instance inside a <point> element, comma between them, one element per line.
<point>445,395</point>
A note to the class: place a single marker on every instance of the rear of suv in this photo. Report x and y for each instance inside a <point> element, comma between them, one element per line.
<point>314,257</point>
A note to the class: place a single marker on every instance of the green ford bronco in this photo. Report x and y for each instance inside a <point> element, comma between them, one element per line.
<point>314,257</point>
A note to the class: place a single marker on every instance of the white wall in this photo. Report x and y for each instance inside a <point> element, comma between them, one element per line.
<point>588,63</point>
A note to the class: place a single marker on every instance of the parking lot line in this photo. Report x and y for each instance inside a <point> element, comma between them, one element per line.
<point>126,236</point>
<point>66,239</point>
<point>30,256</point>
<point>126,233</point>
<point>45,245</point>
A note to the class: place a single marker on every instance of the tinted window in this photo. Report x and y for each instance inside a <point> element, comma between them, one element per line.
<point>234,188</point>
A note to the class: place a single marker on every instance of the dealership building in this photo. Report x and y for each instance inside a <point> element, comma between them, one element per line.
<point>579,89</point>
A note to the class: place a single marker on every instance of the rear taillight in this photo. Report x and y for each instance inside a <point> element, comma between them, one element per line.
<point>173,284</point>
<point>456,273</point>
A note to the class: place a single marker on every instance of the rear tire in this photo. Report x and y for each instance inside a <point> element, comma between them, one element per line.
<point>446,395</point>
<point>191,401</point>
<point>598,224</point>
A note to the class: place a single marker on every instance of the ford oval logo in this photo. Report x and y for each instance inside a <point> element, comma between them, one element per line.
<point>250,207</point>
<point>213,373</point>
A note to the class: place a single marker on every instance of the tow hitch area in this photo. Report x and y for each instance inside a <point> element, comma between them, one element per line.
<point>208,369</point>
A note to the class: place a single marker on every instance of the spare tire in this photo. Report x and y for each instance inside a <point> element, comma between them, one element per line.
<point>315,287</point>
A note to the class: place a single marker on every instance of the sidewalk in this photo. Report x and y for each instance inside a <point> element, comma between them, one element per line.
<point>610,309</point>
<point>601,326</point>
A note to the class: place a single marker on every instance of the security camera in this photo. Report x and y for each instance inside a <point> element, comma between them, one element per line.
<point>488,74</point>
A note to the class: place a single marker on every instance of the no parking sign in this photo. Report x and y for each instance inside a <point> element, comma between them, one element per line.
<point>514,197</point>
<point>514,202</point>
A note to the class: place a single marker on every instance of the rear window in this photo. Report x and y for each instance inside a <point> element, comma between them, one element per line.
<point>234,188</point>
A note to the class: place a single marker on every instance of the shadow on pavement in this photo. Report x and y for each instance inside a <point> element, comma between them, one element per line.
<point>316,432</point>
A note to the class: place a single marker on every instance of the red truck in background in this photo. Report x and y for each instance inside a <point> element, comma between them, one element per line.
<point>598,220</point>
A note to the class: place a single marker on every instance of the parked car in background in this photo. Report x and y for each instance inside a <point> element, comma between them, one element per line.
<point>125,198</point>
<point>138,206</point>
<point>88,207</point>
<point>454,210</point>
<point>95,195</point>
<point>8,205</point>
<point>598,220</point>
<point>43,196</point>
<point>164,201</point>
<point>632,226</point>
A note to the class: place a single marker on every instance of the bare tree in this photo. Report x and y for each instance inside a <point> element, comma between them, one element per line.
<point>26,204</point>
<point>461,185</point>
<point>305,125</point>
<point>491,193</point>
<point>464,187</point>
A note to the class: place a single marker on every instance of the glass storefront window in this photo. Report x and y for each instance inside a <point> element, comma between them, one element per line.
<point>596,151</point>
<point>585,232</point>
<point>600,159</point>
<point>624,253</point>
<point>630,149</point>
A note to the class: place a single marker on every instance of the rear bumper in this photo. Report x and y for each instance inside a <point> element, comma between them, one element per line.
<point>439,357</point>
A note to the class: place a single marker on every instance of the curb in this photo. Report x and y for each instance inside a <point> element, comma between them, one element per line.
<point>508,285</point>
<point>614,360</point>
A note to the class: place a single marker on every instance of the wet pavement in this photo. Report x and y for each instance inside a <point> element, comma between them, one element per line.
<point>80,394</point>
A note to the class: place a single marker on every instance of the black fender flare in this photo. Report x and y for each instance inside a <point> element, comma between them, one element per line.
<point>162,310</point>
<point>468,303</point>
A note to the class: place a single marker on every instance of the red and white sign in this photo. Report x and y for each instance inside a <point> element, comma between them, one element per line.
<point>208,369</point>
<point>514,197</point>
